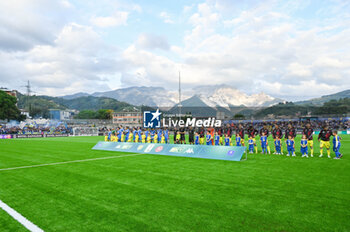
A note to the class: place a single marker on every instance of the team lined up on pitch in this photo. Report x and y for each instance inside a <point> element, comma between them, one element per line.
<point>210,137</point>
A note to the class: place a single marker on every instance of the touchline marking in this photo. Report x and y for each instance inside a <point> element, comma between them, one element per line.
<point>68,162</point>
<point>18,217</point>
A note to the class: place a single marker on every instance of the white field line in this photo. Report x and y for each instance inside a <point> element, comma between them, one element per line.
<point>18,217</point>
<point>68,162</point>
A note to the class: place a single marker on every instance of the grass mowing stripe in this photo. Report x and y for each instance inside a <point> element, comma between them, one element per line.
<point>18,217</point>
<point>67,162</point>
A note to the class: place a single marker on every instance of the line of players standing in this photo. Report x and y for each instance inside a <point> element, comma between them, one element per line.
<point>138,135</point>
<point>222,136</point>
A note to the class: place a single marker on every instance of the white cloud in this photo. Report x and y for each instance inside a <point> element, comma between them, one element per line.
<point>118,19</point>
<point>66,4</point>
<point>252,45</point>
<point>150,41</point>
<point>331,62</point>
<point>166,17</point>
<point>307,89</point>
<point>136,7</point>
<point>187,9</point>
<point>78,59</point>
<point>298,70</point>
<point>263,49</point>
<point>22,24</point>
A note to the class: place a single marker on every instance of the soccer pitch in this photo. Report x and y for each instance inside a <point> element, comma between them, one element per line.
<point>166,193</point>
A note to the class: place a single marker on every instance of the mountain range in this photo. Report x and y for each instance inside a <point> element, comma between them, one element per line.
<point>212,96</point>
<point>200,101</point>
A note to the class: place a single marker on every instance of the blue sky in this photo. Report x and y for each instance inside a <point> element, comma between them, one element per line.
<point>287,49</point>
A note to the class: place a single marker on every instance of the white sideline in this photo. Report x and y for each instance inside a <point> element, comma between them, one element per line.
<point>18,217</point>
<point>67,162</point>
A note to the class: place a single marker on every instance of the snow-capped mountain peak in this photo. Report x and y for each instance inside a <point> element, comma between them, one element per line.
<point>226,96</point>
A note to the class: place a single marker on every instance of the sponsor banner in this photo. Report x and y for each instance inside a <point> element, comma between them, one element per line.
<point>32,136</point>
<point>6,136</point>
<point>28,136</point>
<point>56,135</point>
<point>194,151</point>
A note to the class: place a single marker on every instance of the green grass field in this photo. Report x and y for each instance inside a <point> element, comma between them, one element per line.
<point>166,193</point>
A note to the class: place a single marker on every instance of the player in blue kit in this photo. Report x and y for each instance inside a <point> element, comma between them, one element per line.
<point>217,139</point>
<point>278,146</point>
<point>290,146</point>
<point>134,133</point>
<point>196,139</point>
<point>152,133</point>
<point>146,135</point>
<point>139,132</point>
<point>308,131</point>
<point>263,141</point>
<point>166,135</point>
<point>266,132</point>
<point>127,133</point>
<point>109,135</point>
<point>251,144</point>
<point>227,140</point>
<point>336,145</point>
<point>120,132</point>
<point>238,140</point>
<point>160,134</point>
<point>208,138</point>
<point>303,147</point>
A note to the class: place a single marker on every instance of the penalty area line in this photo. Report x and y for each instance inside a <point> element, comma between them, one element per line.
<point>18,217</point>
<point>68,162</point>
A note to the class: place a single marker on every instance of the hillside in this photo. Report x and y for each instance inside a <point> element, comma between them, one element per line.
<point>38,106</point>
<point>319,101</point>
<point>89,103</point>
<point>332,107</point>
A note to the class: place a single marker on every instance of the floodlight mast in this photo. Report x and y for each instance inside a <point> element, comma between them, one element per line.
<point>180,96</point>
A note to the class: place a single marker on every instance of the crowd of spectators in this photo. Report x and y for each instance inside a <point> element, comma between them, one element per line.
<point>16,130</point>
<point>299,125</point>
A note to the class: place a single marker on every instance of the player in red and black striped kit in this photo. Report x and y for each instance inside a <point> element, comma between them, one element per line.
<point>308,132</point>
<point>266,132</point>
<point>240,132</point>
<point>324,136</point>
<point>252,132</point>
<point>227,130</point>
<point>277,133</point>
<point>290,131</point>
